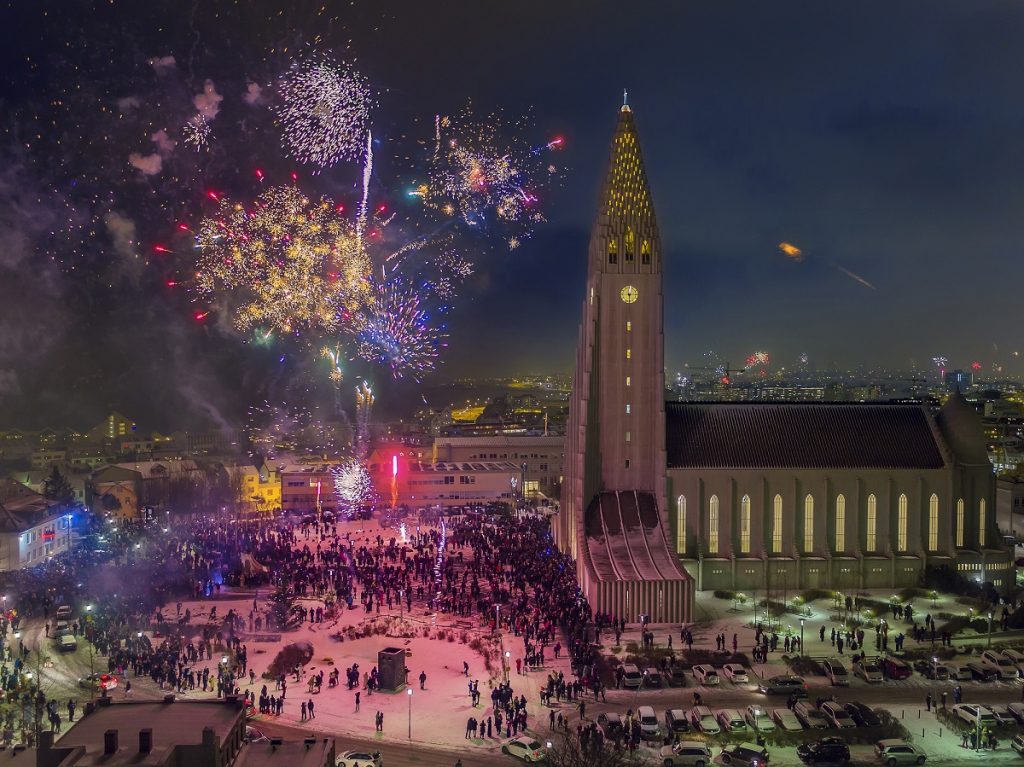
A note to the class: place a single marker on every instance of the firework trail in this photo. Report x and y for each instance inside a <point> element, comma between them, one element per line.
<point>364,201</point>
<point>853,276</point>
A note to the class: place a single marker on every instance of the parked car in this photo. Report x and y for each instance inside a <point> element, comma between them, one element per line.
<point>783,685</point>
<point>649,727</point>
<point>676,721</point>
<point>786,720</point>
<point>686,753</point>
<point>864,716</point>
<point>746,754</point>
<point>894,668</point>
<point>894,752</point>
<point>836,672</point>
<point>1016,711</point>
<point>837,715</point>
<point>735,673</point>
<point>66,643</point>
<point>868,670</point>
<point>1017,744</point>
<point>705,675</point>
<point>1003,715</point>
<point>731,720</point>
<point>361,758</point>
<point>526,749</point>
<point>98,681</point>
<point>975,714</point>
<point>701,718</point>
<point>809,714</point>
<point>64,613</point>
<point>631,676</point>
<point>824,751</point>
<point>758,718</point>
<point>1016,657</point>
<point>936,670</point>
<point>677,677</point>
<point>1007,668</point>
<point>611,725</point>
<point>652,677</point>
<point>982,672</point>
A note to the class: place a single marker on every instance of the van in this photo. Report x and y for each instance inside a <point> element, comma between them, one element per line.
<point>746,754</point>
<point>649,727</point>
<point>631,676</point>
<point>686,753</point>
<point>64,612</point>
<point>894,668</point>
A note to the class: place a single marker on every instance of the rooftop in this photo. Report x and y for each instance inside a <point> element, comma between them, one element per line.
<point>311,753</point>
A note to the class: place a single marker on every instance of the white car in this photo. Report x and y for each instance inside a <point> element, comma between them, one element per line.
<point>705,675</point>
<point>731,720</point>
<point>362,758</point>
<point>526,749</point>
<point>975,715</point>
<point>837,715</point>
<point>868,670</point>
<point>1006,667</point>
<point>735,673</point>
<point>758,718</point>
<point>786,720</point>
<point>960,672</point>
<point>703,720</point>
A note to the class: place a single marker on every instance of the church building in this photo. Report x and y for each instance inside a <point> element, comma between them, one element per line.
<point>661,500</point>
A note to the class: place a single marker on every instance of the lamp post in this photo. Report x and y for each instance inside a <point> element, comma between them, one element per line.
<point>802,637</point>
<point>508,660</point>
<point>989,629</point>
<point>408,694</point>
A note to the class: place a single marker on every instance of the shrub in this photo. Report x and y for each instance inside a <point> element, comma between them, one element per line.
<point>803,665</point>
<point>812,595</point>
<point>724,594</point>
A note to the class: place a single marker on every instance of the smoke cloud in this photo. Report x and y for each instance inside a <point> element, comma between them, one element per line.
<point>148,164</point>
<point>253,95</point>
<point>207,103</point>
<point>162,64</point>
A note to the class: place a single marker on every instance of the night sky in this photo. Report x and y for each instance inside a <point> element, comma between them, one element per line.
<point>884,139</point>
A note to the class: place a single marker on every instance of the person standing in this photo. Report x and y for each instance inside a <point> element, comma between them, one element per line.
<point>423,679</point>
<point>309,706</point>
<point>357,701</point>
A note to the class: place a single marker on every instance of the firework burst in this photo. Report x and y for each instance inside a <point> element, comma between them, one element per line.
<point>324,111</point>
<point>397,333</point>
<point>197,132</point>
<point>288,263</point>
<point>352,485</point>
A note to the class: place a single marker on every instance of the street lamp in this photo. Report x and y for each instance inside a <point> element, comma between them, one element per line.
<point>989,629</point>
<point>802,637</point>
<point>508,660</point>
<point>408,693</point>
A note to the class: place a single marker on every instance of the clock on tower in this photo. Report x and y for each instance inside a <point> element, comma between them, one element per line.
<point>628,294</point>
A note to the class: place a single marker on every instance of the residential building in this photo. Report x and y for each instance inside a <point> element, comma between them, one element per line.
<point>32,528</point>
<point>308,487</point>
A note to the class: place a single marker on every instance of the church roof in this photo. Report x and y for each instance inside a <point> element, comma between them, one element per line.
<point>800,436</point>
<point>961,426</point>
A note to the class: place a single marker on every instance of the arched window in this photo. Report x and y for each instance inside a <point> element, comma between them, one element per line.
<point>681,524</point>
<point>629,246</point>
<point>808,524</point>
<point>871,539</point>
<point>960,522</point>
<point>745,525</point>
<point>613,252</point>
<point>645,252</point>
<point>713,525</point>
<point>933,523</point>
<point>981,522</point>
<point>840,523</point>
<point>901,524</point>
<point>777,525</point>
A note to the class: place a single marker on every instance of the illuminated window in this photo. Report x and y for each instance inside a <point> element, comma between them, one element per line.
<point>645,252</point>
<point>629,354</point>
<point>933,523</point>
<point>627,436</point>
<point>629,326</point>
<point>629,381</point>
<point>613,252</point>
<point>630,245</point>
<point>777,525</point>
<point>713,525</point>
<point>981,522</point>
<point>840,523</point>
<point>745,525</point>
<point>901,524</point>
<point>808,524</point>
<point>627,408</point>
<point>681,524</point>
<point>872,524</point>
<point>960,522</point>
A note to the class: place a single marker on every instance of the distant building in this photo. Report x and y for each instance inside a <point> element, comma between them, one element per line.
<point>455,484</point>
<point>959,379</point>
<point>538,458</point>
<point>305,487</point>
<point>32,528</point>
<point>122,490</point>
<point>258,487</point>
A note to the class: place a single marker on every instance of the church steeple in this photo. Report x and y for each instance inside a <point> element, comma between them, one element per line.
<point>625,236</point>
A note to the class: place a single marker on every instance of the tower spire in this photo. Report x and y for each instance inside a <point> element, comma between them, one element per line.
<point>625,100</point>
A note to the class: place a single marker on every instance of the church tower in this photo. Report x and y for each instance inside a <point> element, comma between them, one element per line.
<point>625,299</point>
<point>612,517</point>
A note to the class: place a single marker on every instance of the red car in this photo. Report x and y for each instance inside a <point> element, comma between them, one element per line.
<point>894,668</point>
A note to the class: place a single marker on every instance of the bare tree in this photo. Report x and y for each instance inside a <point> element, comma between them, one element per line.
<point>569,751</point>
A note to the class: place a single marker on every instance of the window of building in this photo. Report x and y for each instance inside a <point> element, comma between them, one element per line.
<point>901,523</point>
<point>627,436</point>
<point>960,522</point>
<point>808,524</point>
<point>629,381</point>
<point>840,523</point>
<point>681,524</point>
<point>745,525</point>
<point>933,523</point>
<point>630,245</point>
<point>713,525</point>
<point>629,326</point>
<point>871,538</point>
<point>981,522</point>
<point>777,525</point>
<point>613,252</point>
<point>629,354</point>
<point>645,252</point>
<point>627,408</point>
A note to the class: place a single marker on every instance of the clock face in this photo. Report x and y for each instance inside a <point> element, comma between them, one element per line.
<point>628,294</point>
